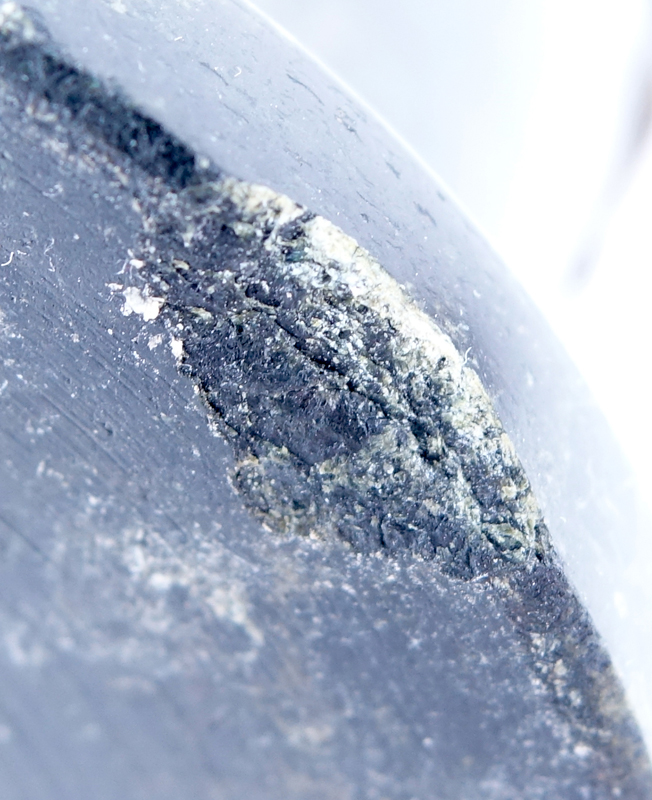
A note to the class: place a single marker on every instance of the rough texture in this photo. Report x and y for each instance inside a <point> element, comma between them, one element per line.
<point>350,412</point>
<point>352,417</point>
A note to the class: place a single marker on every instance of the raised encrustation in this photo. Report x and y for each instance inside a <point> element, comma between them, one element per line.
<point>351,413</point>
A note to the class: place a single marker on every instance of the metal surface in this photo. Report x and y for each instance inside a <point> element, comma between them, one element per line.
<point>157,640</point>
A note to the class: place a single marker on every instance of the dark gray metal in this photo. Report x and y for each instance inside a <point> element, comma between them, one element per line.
<point>158,642</point>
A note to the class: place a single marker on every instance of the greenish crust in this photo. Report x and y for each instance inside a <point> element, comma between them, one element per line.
<point>351,413</point>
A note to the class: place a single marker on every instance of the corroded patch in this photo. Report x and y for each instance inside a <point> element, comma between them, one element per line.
<point>351,413</point>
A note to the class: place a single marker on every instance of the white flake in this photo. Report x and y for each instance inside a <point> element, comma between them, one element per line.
<point>136,302</point>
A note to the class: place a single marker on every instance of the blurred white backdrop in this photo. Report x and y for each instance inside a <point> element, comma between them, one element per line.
<point>536,117</point>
